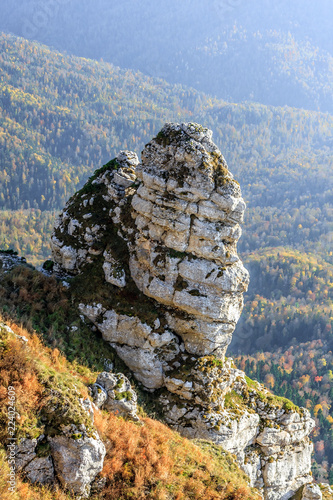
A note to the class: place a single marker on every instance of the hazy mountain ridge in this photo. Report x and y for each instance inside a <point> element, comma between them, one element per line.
<point>285,52</point>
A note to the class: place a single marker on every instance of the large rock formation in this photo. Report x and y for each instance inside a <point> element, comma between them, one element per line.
<point>153,249</point>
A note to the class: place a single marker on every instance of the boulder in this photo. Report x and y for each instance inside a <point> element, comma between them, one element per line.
<point>38,469</point>
<point>113,392</point>
<point>78,458</point>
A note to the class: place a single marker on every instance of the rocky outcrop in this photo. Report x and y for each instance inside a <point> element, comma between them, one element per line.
<point>36,468</point>
<point>311,492</point>
<point>187,210</point>
<point>268,435</point>
<point>80,229</point>
<point>152,247</point>
<point>10,259</point>
<point>145,350</point>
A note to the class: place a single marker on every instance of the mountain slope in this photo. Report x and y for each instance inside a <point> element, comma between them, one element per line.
<point>143,461</point>
<point>281,57</point>
<point>62,117</point>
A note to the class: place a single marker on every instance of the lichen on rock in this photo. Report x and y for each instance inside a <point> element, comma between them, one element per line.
<point>113,392</point>
<point>152,249</point>
<point>28,461</point>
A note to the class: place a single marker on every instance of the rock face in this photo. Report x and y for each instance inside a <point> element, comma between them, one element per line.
<point>311,492</point>
<point>9,259</point>
<point>187,211</point>
<point>152,246</point>
<point>38,469</point>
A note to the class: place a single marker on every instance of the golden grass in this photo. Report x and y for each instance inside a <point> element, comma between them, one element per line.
<point>143,461</point>
<point>151,461</point>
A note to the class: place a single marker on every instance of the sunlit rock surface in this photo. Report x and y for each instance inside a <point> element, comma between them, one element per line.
<point>153,246</point>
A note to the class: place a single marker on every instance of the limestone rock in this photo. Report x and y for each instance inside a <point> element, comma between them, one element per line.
<point>144,350</point>
<point>269,440</point>
<point>78,458</point>
<point>8,260</point>
<point>88,407</point>
<point>113,392</point>
<point>311,492</point>
<point>125,175</point>
<point>326,490</point>
<point>161,238</point>
<point>184,254</point>
<point>40,470</point>
<point>79,230</point>
<point>72,452</point>
<point>36,469</point>
<point>287,470</point>
<point>25,452</point>
<point>114,274</point>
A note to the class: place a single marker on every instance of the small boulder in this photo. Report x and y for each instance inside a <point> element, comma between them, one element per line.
<point>25,453</point>
<point>113,392</point>
<point>78,458</point>
<point>38,469</point>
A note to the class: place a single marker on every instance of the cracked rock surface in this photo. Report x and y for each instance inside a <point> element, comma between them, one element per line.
<point>152,247</point>
<point>73,454</point>
<point>36,469</point>
<point>77,460</point>
<point>113,392</point>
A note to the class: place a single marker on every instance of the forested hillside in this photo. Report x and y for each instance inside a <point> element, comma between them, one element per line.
<point>281,57</point>
<point>302,373</point>
<point>290,299</point>
<point>62,117</point>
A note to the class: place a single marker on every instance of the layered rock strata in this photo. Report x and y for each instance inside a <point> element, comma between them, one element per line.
<point>187,211</point>
<point>153,249</point>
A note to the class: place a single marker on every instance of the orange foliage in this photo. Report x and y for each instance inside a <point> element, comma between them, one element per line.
<point>18,370</point>
<point>316,409</point>
<point>320,447</point>
<point>270,380</point>
<point>150,461</point>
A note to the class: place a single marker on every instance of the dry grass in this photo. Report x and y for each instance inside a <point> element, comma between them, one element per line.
<point>151,461</point>
<point>19,371</point>
<point>32,369</point>
<point>45,306</point>
<point>147,461</point>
